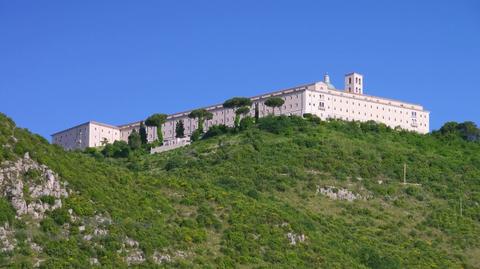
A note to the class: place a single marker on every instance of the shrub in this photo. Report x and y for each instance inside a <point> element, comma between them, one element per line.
<point>48,199</point>
<point>60,216</point>
<point>246,123</point>
<point>7,212</point>
<point>119,149</point>
<point>174,162</point>
<point>48,225</point>
<point>216,130</point>
<point>280,124</point>
<point>196,135</point>
<point>134,140</point>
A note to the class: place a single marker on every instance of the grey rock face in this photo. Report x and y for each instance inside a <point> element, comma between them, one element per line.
<point>7,240</point>
<point>296,238</point>
<point>25,181</point>
<point>335,193</point>
<point>134,255</point>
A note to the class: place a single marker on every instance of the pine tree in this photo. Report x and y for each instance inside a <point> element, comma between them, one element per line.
<point>157,120</point>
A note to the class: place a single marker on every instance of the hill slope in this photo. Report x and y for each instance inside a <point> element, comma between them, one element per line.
<point>287,193</point>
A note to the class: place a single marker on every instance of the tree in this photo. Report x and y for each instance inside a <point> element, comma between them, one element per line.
<point>257,112</point>
<point>467,130</point>
<point>156,120</point>
<point>246,123</point>
<point>201,115</point>
<point>244,110</point>
<point>236,104</point>
<point>104,141</point>
<point>449,128</point>
<point>180,129</point>
<point>143,133</point>
<point>274,102</point>
<point>119,149</point>
<point>134,140</point>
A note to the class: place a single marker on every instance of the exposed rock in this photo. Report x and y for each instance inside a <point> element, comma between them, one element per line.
<point>295,238</point>
<point>338,193</point>
<point>35,247</point>
<point>38,262</point>
<point>135,256</point>
<point>87,237</point>
<point>73,217</point>
<point>169,256</point>
<point>7,239</point>
<point>131,243</point>
<point>160,258</point>
<point>99,224</point>
<point>100,232</point>
<point>25,181</point>
<point>103,220</point>
<point>181,254</point>
<point>94,261</point>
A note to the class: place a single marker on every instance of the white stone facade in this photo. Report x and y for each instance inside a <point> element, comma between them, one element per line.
<point>320,98</point>
<point>95,134</point>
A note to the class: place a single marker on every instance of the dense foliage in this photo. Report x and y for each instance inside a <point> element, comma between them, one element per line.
<point>233,199</point>
<point>180,129</point>
<point>240,105</point>
<point>156,120</point>
<point>201,115</point>
<point>274,102</point>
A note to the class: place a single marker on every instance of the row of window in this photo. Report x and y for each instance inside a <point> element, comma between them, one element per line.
<point>369,99</point>
<point>413,113</point>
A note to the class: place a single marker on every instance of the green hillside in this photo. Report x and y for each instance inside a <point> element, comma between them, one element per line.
<point>284,193</point>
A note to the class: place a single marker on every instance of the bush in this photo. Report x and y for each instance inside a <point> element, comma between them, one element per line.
<point>247,123</point>
<point>7,212</point>
<point>174,162</point>
<point>311,117</point>
<point>281,124</point>
<point>48,199</point>
<point>48,225</point>
<point>93,152</point>
<point>60,216</point>
<point>216,130</point>
<point>196,135</point>
<point>119,149</point>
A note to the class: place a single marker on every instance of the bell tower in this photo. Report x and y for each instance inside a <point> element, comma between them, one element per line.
<point>354,83</point>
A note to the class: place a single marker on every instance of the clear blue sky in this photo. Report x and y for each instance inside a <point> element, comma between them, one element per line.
<point>66,62</point>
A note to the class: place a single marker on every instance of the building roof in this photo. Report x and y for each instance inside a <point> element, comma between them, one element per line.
<point>86,123</point>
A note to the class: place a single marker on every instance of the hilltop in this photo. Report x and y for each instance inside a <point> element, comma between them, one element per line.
<point>287,192</point>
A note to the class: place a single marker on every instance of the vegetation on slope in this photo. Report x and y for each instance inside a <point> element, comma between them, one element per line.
<point>236,200</point>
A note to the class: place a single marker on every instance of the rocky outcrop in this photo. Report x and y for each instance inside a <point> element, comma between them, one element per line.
<point>169,256</point>
<point>133,254</point>
<point>335,193</point>
<point>7,240</point>
<point>25,182</point>
<point>296,238</point>
<point>96,225</point>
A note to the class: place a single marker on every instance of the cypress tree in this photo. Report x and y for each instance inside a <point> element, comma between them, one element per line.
<point>180,129</point>
<point>143,133</point>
